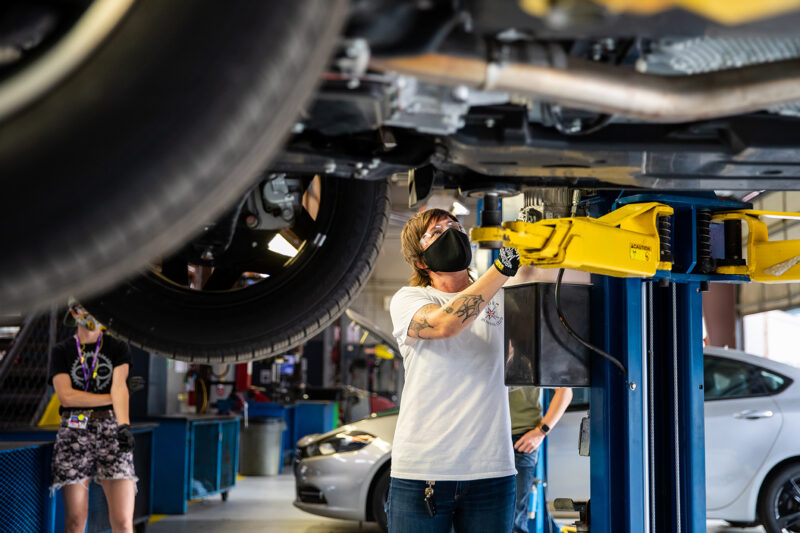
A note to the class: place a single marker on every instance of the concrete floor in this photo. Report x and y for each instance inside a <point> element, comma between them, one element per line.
<point>255,505</point>
<point>264,505</point>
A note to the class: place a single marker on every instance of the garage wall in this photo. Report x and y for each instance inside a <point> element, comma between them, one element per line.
<point>759,297</point>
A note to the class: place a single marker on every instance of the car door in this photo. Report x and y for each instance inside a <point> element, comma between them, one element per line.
<point>568,473</point>
<point>741,424</point>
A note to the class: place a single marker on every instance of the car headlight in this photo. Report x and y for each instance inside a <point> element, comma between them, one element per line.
<point>346,441</point>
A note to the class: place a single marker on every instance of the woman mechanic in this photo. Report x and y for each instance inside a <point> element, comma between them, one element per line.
<point>89,373</point>
<point>452,458</point>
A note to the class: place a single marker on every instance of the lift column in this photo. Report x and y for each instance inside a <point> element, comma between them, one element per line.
<point>647,427</point>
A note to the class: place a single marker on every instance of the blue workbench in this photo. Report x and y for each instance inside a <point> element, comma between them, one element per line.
<point>195,456</point>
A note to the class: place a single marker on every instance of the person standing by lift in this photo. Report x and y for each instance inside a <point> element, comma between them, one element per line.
<point>89,373</point>
<point>528,430</point>
<point>452,460</point>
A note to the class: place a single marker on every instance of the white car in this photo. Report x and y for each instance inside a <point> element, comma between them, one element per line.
<point>752,421</point>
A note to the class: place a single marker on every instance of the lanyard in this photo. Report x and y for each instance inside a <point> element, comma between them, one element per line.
<point>86,372</point>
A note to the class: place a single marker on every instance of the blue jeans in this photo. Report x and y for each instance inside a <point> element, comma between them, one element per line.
<point>525,464</point>
<point>477,506</point>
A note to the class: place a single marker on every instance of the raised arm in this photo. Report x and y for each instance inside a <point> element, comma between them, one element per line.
<point>119,393</point>
<point>70,397</point>
<point>440,322</point>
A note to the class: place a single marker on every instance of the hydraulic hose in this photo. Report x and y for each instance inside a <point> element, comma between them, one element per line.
<point>572,332</point>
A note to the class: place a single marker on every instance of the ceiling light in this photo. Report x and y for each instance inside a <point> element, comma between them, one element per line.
<point>279,245</point>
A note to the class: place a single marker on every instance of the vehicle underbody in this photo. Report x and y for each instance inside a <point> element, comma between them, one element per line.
<point>479,97</point>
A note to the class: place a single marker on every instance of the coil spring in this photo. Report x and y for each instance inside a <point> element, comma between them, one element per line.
<point>665,238</point>
<point>705,263</point>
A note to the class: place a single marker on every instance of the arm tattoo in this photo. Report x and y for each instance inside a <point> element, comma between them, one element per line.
<point>416,327</point>
<point>470,306</point>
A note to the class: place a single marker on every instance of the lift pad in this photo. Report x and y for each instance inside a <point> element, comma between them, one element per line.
<point>767,262</point>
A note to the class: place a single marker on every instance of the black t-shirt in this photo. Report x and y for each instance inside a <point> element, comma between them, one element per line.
<point>66,360</point>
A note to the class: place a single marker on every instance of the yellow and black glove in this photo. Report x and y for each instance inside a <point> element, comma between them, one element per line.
<point>507,261</point>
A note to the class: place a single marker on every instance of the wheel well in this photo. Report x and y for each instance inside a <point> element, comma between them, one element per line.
<point>773,471</point>
<point>380,471</point>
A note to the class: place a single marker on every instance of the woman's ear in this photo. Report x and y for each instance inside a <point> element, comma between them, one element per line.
<point>420,264</point>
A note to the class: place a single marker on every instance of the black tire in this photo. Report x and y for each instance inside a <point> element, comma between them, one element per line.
<point>780,499</point>
<point>225,496</point>
<point>164,125</point>
<point>272,315</point>
<point>378,499</point>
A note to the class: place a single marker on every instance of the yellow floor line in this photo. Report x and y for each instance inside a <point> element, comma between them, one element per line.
<point>156,518</point>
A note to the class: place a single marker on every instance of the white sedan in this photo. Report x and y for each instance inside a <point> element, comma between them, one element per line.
<point>752,421</point>
<point>752,430</point>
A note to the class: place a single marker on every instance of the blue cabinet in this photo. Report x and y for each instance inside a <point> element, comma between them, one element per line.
<point>25,477</point>
<point>24,483</point>
<point>195,457</point>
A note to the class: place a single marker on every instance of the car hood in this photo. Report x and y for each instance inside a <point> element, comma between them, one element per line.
<point>381,426</point>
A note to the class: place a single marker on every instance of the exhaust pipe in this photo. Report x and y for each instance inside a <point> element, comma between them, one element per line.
<point>593,86</point>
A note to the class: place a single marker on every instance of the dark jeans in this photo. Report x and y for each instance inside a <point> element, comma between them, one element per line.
<point>477,506</point>
<point>525,464</point>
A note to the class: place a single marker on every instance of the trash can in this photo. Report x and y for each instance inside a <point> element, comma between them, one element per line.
<point>260,448</point>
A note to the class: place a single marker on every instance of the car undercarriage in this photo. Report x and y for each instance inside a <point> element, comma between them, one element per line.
<point>478,97</point>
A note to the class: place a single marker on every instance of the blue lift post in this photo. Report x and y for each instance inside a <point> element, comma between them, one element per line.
<point>647,427</point>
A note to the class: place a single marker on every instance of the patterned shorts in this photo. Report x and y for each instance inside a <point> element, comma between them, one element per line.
<point>81,454</point>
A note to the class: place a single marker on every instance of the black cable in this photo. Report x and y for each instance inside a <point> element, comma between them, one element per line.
<point>572,331</point>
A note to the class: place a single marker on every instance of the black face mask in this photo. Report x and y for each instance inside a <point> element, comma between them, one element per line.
<point>451,252</point>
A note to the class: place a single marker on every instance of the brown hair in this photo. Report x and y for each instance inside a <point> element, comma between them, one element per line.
<point>412,249</point>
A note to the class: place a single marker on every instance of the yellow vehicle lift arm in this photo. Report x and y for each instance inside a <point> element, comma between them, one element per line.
<point>626,243</point>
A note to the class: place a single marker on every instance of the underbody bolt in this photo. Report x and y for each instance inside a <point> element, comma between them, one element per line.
<point>254,244</point>
<point>359,165</point>
<point>251,221</point>
<point>298,127</point>
<point>489,123</point>
<point>632,385</point>
<point>330,167</point>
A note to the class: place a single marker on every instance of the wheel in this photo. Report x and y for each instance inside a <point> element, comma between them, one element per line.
<point>166,119</point>
<point>779,503</point>
<point>257,302</point>
<point>225,496</point>
<point>378,501</point>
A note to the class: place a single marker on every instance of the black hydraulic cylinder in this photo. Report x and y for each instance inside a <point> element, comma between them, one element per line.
<point>665,238</point>
<point>705,263</point>
<point>733,243</point>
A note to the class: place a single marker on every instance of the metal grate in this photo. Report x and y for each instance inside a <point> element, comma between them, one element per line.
<point>230,434</point>
<point>204,475</point>
<point>24,489</point>
<point>24,390</point>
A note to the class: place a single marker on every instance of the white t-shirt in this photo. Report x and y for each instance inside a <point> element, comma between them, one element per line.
<point>454,421</point>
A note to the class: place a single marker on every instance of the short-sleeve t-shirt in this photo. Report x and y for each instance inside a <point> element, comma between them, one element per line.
<point>454,422</point>
<point>526,409</point>
<point>65,359</point>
